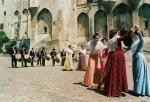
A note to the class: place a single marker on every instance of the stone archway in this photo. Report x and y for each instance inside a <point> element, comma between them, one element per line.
<point>144,18</point>
<point>25,23</point>
<point>83,28</point>
<point>44,20</point>
<point>122,17</point>
<point>17,23</point>
<point>100,23</point>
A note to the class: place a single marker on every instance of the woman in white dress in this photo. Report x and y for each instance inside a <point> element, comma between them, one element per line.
<point>68,65</point>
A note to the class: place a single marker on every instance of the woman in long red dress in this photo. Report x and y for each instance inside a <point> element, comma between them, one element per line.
<point>116,79</point>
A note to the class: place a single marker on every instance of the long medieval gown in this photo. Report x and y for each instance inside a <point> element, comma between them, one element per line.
<point>116,79</point>
<point>68,65</point>
<point>103,64</point>
<point>82,66</point>
<point>92,76</point>
<point>140,68</point>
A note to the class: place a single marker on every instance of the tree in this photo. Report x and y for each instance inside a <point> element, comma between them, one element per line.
<point>3,39</point>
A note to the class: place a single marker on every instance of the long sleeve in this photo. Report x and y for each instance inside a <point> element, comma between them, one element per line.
<point>141,43</point>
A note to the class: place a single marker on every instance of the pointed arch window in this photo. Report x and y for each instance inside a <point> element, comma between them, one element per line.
<point>2,2</point>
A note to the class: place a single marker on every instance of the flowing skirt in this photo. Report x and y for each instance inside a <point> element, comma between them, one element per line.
<point>82,63</point>
<point>141,75</point>
<point>103,69</point>
<point>92,76</point>
<point>68,62</point>
<point>116,79</point>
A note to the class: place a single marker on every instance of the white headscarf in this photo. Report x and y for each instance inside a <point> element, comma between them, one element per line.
<point>112,44</point>
<point>98,46</point>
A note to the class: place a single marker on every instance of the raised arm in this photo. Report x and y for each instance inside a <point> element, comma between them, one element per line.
<point>141,43</point>
<point>125,35</point>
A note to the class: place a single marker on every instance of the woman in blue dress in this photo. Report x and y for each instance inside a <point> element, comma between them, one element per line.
<point>140,67</point>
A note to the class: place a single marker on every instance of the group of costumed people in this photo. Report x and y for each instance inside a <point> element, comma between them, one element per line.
<point>40,56</point>
<point>25,56</point>
<point>106,67</point>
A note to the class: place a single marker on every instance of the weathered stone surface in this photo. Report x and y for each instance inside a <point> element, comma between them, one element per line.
<point>57,20</point>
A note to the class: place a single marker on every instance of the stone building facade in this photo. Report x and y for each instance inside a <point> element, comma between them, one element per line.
<point>57,23</point>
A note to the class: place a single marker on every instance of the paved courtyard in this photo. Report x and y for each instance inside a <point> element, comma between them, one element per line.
<point>50,84</point>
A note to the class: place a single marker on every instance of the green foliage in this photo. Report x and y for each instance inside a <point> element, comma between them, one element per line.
<point>1,48</point>
<point>9,45</point>
<point>3,38</point>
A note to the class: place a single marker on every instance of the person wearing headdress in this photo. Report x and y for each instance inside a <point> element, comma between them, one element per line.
<point>43,56</point>
<point>63,57</point>
<point>23,52</point>
<point>53,56</point>
<point>39,57</point>
<point>32,54</point>
<point>115,80</point>
<point>141,75</point>
<point>68,65</point>
<point>92,75</point>
<point>82,66</point>
<point>13,52</point>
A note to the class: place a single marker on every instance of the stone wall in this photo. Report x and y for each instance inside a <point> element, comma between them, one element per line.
<point>58,23</point>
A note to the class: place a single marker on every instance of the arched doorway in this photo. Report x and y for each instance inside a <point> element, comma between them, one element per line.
<point>100,23</point>
<point>144,18</point>
<point>25,21</point>
<point>17,23</point>
<point>83,28</point>
<point>122,17</point>
<point>44,19</point>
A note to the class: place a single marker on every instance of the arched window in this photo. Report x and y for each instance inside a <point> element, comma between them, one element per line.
<point>2,2</point>
<point>83,28</point>
<point>89,1</point>
<point>100,23</point>
<point>4,13</point>
<point>144,18</point>
<point>16,13</point>
<point>122,17</point>
<point>44,19</point>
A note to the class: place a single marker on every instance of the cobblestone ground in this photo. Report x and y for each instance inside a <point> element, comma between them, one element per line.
<point>50,84</point>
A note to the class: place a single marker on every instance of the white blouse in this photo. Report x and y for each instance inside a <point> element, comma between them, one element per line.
<point>112,44</point>
<point>69,51</point>
<point>94,49</point>
<point>83,51</point>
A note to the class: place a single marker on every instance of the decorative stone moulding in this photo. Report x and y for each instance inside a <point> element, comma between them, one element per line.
<point>146,1</point>
<point>108,5</point>
<point>133,3</point>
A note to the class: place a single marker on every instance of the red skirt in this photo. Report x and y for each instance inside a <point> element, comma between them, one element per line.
<point>103,64</point>
<point>116,79</point>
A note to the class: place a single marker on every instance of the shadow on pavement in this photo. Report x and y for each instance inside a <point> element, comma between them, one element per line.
<point>79,83</point>
<point>100,91</point>
<point>131,92</point>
